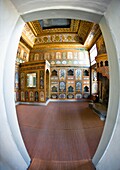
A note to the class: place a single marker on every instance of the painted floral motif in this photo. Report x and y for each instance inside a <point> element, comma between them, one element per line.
<point>62,74</point>
<point>57,38</point>
<point>62,86</point>
<point>22,96</point>
<point>31,96</point>
<point>41,79</point>
<point>62,96</point>
<point>41,96</point>
<point>78,96</point>
<point>78,86</point>
<point>78,74</point>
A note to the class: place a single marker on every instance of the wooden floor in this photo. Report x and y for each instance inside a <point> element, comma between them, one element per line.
<point>60,136</point>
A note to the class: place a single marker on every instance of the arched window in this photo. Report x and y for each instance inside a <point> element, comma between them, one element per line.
<point>70,89</point>
<point>86,73</point>
<point>54,89</point>
<point>93,54</point>
<point>106,63</point>
<point>86,89</point>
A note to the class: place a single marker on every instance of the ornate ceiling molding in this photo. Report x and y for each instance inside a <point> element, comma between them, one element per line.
<point>80,32</point>
<point>94,34</point>
<point>59,45</point>
<point>57,38</point>
<point>84,29</point>
<point>38,31</point>
<point>28,35</point>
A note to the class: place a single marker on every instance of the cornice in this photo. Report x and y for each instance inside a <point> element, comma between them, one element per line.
<point>59,45</point>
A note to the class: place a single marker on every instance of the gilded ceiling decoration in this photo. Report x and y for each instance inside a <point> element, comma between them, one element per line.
<point>37,29</point>
<point>84,29</point>
<point>57,38</point>
<point>61,31</point>
<point>101,46</point>
<point>93,36</point>
<point>28,35</point>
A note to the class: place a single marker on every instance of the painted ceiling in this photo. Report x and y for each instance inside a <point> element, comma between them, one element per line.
<point>65,30</point>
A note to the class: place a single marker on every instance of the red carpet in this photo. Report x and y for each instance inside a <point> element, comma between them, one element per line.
<point>60,136</point>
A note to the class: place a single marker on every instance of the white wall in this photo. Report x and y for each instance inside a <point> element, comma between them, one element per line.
<point>107,156</point>
<point>13,155</point>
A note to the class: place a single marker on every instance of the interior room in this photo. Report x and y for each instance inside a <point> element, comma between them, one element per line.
<point>62,63</point>
<point>60,59</point>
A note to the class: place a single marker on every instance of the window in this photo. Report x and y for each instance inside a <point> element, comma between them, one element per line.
<point>106,63</point>
<point>93,54</point>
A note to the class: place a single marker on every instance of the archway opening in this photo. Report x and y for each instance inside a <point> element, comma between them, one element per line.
<point>60,89</point>
<point>113,102</point>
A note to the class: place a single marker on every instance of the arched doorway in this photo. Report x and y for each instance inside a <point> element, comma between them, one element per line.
<point>7,70</point>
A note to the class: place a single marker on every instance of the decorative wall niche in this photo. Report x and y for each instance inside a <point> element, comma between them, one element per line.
<point>101,64</point>
<point>17,96</point>
<point>31,96</point>
<point>58,55</point>
<point>42,96</point>
<point>16,80</point>
<point>70,89</point>
<point>69,55</point>
<point>36,96</point>
<point>22,82</point>
<point>26,96</point>
<point>54,73</point>
<point>86,89</point>
<point>70,72</point>
<point>22,96</point>
<point>64,55</point>
<point>36,57</point>
<point>41,79</point>
<point>86,73</point>
<point>54,89</point>
<point>24,55</point>
<point>106,63</point>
